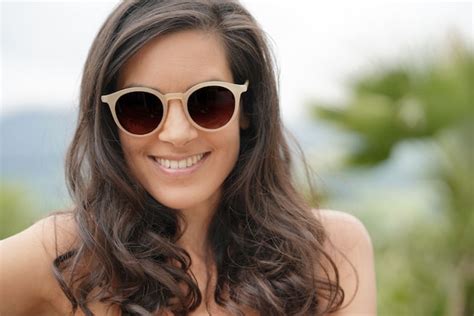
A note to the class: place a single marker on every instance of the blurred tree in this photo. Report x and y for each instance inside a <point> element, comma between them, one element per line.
<point>431,269</point>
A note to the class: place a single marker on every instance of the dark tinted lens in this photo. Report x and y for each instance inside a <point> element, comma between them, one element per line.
<point>139,112</point>
<point>211,107</point>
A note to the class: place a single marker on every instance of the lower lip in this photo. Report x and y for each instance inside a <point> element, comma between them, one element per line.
<point>181,172</point>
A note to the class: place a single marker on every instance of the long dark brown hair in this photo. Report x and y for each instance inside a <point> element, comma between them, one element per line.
<point>266,242</point>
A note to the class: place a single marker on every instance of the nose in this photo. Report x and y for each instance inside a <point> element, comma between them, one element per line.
<point>176,128</point>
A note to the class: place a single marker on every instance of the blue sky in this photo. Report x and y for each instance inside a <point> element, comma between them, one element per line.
<point>318,45</point>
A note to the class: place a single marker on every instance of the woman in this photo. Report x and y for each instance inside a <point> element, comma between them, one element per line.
<point>182,185</point>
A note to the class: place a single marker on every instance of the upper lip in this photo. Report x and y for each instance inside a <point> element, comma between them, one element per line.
<point>174,157</point>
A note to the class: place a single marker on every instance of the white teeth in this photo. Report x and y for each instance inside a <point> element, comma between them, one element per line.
<point>182,164</point>
<point>179,164</point>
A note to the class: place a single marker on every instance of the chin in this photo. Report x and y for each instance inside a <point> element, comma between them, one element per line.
<point>201,201</point>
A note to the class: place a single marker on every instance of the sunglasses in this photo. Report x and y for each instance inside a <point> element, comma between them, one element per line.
<point>209,106</point>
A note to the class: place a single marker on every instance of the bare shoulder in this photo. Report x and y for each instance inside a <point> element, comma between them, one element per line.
<point>350,246</point>
<point>345,230</point>
<point>27,256</point>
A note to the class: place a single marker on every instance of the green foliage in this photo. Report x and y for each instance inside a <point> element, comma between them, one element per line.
<point>17,209</point>
<point>428,268</point>
<point>404,102</point>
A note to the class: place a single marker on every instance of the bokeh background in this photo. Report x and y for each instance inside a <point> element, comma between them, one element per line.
<point>378,94</point>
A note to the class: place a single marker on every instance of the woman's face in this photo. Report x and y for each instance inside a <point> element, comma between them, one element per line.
<point>174,63</point>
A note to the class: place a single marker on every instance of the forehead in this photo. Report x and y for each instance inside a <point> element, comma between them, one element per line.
<point>174,62</point>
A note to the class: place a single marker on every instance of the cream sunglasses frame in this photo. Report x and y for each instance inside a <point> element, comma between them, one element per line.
<point>236,89</point>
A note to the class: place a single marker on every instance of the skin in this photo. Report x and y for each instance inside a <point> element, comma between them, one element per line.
<point>173,63</point>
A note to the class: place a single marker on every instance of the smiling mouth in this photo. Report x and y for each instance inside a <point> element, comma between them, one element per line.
<point>180,164</point>
<point>181,167</point>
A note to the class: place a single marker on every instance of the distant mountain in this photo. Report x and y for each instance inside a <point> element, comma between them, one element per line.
<point>33,145</point>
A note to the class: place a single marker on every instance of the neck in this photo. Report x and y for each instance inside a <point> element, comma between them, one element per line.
<point>195,223</point>
<point>194,238</point>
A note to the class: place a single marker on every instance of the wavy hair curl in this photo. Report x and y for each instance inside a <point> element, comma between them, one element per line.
<point>266,242</point>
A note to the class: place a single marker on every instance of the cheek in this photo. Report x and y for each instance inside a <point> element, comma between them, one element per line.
<point>229,140</point>
<point>131,151</point>
<point>230,145</point>
<point>127,146</point>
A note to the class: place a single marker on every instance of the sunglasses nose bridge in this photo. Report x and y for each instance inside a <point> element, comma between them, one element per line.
<point>173,96</point>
